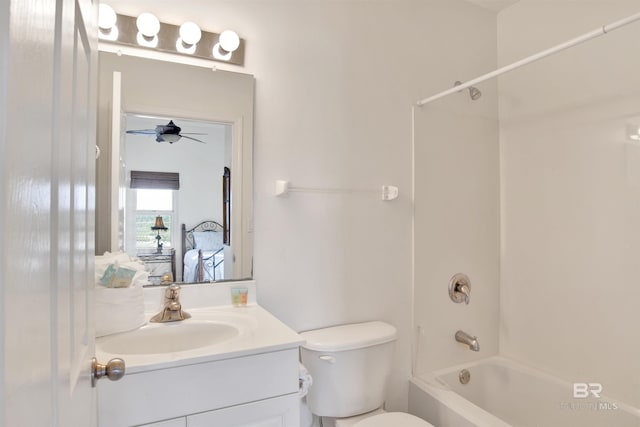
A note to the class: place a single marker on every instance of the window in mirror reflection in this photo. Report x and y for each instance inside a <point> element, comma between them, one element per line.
<point>151,203</point>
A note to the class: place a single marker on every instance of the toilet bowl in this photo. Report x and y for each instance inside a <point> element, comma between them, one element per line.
<point>350,365</point>
<point>393,419</point>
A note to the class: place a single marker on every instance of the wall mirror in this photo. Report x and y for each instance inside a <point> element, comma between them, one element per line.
<point>180,201</point>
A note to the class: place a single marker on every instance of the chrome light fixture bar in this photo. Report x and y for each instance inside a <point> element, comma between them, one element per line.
<point>169,39</point>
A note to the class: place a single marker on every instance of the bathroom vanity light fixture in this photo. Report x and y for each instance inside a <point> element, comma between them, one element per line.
<point>147,32</point>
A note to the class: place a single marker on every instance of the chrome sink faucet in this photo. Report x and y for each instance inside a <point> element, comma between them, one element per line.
<point>467,339</point>
<point>172,310</point>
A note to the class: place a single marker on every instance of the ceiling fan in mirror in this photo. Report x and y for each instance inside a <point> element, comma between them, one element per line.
<point>167,133</point>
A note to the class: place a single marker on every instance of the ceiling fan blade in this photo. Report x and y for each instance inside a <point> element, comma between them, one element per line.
<point>143,131</point>
<point>193,139</point>
<point>193,133</point>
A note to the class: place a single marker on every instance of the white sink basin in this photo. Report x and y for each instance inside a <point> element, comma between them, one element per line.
<point>170,337</point>
<point>212,333</point>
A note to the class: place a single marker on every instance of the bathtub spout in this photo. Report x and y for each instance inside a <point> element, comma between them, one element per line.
<point>467,339</point>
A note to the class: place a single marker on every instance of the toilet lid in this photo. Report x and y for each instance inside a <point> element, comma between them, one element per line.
<point>395,419</point>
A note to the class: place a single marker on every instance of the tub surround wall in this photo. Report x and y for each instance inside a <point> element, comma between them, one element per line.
<point>570,199</point>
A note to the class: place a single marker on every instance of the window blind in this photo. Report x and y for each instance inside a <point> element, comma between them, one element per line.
<point>155,180</point>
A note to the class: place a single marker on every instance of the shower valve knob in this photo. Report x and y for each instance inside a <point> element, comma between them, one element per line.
<point>460,288</point>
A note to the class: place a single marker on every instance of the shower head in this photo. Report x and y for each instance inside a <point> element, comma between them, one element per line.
<point>474,92</point>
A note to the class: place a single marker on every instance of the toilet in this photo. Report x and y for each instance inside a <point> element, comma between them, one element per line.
<point>350,365</point>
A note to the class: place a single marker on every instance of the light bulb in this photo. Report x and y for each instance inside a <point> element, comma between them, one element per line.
<point>220,54</point>
<point>229,41</point>
<point>106,17</point>
<point>190,33</point>
<point>148,24</point>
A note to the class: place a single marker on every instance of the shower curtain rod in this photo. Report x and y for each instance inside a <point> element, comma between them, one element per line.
<point>562,46</point>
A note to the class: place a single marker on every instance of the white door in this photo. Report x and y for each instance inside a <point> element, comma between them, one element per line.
<point>47,191</point>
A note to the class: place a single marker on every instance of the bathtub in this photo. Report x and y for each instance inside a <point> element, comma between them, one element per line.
<point>503,393</point>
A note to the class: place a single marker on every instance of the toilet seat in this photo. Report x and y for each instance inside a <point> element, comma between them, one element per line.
<point>393,419</point>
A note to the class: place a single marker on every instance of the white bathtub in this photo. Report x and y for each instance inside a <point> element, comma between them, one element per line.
<point>502,393</point>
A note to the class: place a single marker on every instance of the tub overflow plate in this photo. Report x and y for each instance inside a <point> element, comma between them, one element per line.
<point>464,376</point>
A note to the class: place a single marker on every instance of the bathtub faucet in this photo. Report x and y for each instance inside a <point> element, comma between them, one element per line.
<point>467,339</point>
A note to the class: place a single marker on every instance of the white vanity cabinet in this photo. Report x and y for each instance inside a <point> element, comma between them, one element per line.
<point>176,375</point>
<point>259,390</point>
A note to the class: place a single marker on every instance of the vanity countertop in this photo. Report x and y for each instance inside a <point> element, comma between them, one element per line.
<point>246,331</point>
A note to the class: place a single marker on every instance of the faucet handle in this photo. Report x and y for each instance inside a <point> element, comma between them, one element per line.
<point>460,288</point>
<point>465,291</point>
<point>172,293</point>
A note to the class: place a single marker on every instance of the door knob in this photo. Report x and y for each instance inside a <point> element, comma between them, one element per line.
<point>114,370</point>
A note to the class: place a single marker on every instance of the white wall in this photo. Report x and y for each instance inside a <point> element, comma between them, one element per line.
<point>457,205</point>
<point>570,199</point>
<point>335,82</point>
<point>342,120</point>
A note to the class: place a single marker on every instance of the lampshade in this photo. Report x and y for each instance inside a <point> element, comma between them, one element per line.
<point>159,225</point>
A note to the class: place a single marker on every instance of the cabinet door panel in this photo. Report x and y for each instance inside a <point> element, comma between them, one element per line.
<point>281,411</point>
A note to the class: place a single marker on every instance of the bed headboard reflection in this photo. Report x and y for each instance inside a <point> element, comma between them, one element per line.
<point>190,239</point>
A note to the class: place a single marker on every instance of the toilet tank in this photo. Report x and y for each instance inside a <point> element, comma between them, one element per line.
<point>349,365</point>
